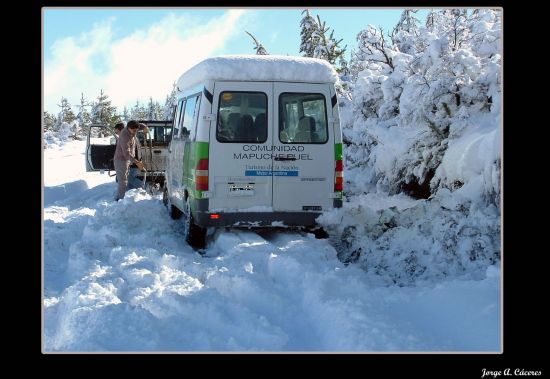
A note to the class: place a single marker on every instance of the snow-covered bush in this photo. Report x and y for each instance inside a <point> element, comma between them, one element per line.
<point>58,137</point>
<point>410,108</point>
<point>425,122</point>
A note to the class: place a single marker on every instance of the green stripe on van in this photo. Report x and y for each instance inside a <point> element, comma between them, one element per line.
<point>202,149</point>
<point>194,151</point>
<point>338,151</point>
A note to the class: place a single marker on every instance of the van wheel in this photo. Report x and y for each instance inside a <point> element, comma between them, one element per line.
<point>194,234</point>
<point>165,197</point>
<point>174,212</point>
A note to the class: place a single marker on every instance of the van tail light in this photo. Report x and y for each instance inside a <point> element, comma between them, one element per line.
<point>201,175</point>
<point>339,176</point>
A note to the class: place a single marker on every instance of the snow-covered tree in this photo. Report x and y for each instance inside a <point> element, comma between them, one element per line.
<point>309,28</point>
<point>169,104</point>
<point>138,112</point>
<point>125,115</point>
<point>260,49</point>
<point>103,112</point>
<point>449,74</point>
<point>327,47</point>
<point>316,42</point>
<point>48,121</point>
<point>154,111</point>
<point>372,65</point>
<point>405,33</point>
<point>485,36</point>
<point>64,122</point>
<point>66,114</point>
<point>83,118</point>
<point>431,20</point>
<point>65,131</point>
<point>425,122</point>
<point>63,125</point>
<point>374,49</point>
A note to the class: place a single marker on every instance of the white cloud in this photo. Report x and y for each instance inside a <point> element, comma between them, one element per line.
<point>137,66</point>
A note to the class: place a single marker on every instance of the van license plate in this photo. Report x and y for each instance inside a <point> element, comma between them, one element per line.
<point>241,190</point>
<point>312,208</point>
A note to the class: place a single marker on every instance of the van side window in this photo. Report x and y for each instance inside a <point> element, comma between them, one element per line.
<point>174,109</point>
<point>177,117</point>
<point>302,118</point>
<point>190,116</point>
<point>196,117</point>
<point>180,132</point>
<point>242,117</point>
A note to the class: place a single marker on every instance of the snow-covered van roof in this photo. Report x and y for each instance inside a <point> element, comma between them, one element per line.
<point>259,68</point>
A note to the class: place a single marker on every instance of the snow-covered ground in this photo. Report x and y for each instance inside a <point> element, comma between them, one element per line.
<point>118,276</point>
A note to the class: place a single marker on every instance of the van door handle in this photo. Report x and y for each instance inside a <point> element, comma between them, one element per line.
<point>156,151</point>
<point>285,158</point>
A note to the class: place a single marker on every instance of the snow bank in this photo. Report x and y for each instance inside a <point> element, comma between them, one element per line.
<point>414,243</point>
<point>259,67</point>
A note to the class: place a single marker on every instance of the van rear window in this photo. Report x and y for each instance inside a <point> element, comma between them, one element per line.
<point>302,118</point>
<point>242,117</point>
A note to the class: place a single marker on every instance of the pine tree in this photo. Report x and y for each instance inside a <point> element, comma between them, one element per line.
<point>309,28</point>
<point>48,121</point>
<point>169,104</point>
<point>260,49</point>
<point>66,114</point>
<point>83,118</point>
<point>103,112</point>
<point>327,47</point>
<point>151,110</point>
<point>138,112</point>
<point>317,43</point>
<point>159,111</point>
<point>64,121</point>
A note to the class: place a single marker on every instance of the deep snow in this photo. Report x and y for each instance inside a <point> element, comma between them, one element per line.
<point>118,276</point>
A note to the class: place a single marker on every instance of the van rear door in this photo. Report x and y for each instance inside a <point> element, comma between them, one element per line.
<point>303,146</point>
<point>240,161</point>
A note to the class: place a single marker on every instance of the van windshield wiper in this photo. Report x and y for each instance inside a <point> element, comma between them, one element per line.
<point>285,158</point>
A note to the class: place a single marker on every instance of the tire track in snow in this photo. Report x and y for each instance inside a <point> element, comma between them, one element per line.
<point>297,282</point>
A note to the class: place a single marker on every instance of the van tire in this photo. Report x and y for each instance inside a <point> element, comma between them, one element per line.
<point>194,234</point>
<point>165,196</point>
<point>174,212</point>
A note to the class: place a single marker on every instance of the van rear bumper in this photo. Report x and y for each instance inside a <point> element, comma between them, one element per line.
<point>257,219</point>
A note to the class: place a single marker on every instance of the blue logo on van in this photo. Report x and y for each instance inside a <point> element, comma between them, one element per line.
<point>270,173</point>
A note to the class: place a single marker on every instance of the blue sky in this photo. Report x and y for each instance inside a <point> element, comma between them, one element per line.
<point>137,53</point>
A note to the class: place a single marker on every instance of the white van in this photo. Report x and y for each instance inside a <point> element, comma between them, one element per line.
<point>257,143</point>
